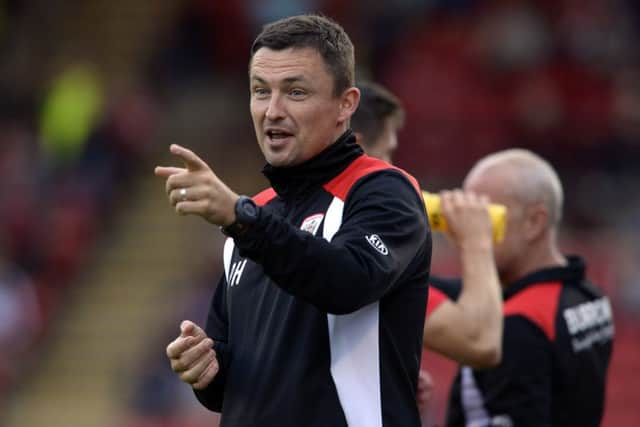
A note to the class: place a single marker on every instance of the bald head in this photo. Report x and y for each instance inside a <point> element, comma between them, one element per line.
<point>526,177</point>
<point>531,190</point>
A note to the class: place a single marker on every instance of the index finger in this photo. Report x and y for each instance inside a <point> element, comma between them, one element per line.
<point>179,346</point>
<point>190,159</point>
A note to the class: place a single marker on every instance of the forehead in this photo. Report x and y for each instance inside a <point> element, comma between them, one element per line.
<point>496,182</point>
<point>279,65</point>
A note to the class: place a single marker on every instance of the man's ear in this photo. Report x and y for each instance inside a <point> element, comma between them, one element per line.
<point>537,222</point>
<point>349,101</point>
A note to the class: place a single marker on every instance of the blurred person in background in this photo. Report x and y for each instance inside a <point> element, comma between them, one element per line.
<point>318,319</point>
<point>468,330</point>
<point>20,319</point>
<point>377,121</point>
<point>71,110</point>
<point>558,327</point>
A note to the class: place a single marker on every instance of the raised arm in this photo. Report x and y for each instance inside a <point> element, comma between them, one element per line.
<point>469,330</point>
<point>383,230</point>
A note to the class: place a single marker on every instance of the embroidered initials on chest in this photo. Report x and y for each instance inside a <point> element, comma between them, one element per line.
<point>237,268</point>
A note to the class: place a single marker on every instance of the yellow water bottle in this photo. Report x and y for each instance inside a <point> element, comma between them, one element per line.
<point>497,213</point>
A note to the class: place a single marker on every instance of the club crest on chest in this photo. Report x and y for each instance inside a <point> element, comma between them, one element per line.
<point>311,223</point>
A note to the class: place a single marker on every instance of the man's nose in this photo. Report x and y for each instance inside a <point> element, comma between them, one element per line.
<point>275,109</point>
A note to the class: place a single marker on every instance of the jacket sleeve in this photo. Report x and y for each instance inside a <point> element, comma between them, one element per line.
<point>449,286</point>
<point>384,230</point>
<point>217,329</point>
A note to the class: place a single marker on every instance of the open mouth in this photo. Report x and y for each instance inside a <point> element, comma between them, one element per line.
<point>278,134</point>
<point>277,138</point>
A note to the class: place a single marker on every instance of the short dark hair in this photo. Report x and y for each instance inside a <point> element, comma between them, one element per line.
<point>317,32</point>
<point>376,105</point>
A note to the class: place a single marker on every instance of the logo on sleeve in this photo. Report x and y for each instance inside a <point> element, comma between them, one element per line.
<point>312,223</point>
<point>375,241</point>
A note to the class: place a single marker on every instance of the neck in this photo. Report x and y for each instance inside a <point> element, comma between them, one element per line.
<point>542,254</point>
<point>340,130</point>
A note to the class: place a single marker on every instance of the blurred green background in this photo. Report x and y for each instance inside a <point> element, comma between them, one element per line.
<point>96,271</point>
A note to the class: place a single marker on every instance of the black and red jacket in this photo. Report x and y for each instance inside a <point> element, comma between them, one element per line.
<point>318,320</point>
<point>557,342</point>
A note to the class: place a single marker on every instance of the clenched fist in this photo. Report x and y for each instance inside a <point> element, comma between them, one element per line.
<point>192,356</point>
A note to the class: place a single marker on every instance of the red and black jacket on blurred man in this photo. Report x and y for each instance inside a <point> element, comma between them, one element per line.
<point>557,342</point>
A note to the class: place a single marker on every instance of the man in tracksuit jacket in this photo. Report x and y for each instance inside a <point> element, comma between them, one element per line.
<point>318,318</point>
<point>558,327</point>
<point>557,343</point>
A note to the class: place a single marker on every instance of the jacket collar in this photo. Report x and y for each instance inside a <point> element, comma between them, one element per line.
<point>290,182</point>
<point>571,274</point>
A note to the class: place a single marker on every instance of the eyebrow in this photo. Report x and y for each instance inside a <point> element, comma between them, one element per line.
<point>288,80</point>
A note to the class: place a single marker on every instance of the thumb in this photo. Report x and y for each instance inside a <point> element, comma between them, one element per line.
<point>188,328</point>
<point>167,171</point>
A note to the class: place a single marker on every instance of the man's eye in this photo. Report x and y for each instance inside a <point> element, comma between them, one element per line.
<point>297,93</point>
<point>260,92</point>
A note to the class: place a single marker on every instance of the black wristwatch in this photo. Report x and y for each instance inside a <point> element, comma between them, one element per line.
<point>247,213</point>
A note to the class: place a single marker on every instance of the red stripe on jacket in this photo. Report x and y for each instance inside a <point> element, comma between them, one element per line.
<point>264,197</point>
<point>436,297</point>
<point>539,304</point>
<point>362,166</point>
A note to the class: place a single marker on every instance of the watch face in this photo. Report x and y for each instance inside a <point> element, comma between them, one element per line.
<point>247,212</point>
<point>249,208</point>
